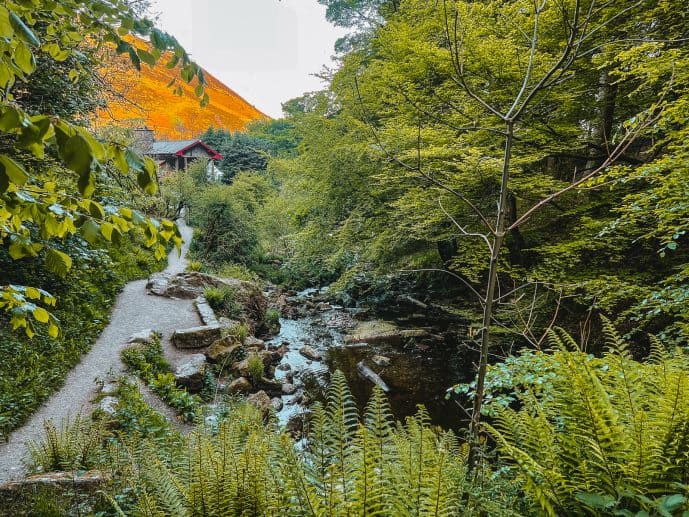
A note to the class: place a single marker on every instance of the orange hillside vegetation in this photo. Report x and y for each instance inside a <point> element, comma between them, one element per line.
<point>139,99</point>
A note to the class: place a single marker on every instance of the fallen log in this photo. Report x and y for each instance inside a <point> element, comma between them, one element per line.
<point>368,374</point>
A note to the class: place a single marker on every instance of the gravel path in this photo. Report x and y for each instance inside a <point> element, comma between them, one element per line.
<point>134,311</point>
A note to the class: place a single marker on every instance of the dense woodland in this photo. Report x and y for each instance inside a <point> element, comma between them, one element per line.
<point>519,165</point>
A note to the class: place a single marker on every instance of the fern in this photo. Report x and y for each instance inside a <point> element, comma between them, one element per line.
<point>349,466</point>
<point>609,436</point>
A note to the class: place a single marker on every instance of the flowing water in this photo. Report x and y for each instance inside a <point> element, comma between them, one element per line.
<point>417,374</point>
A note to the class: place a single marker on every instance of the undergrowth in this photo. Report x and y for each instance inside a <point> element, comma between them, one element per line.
<point>148,362</point>
<point>31,370</point>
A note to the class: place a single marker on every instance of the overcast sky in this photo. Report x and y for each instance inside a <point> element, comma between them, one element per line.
<point>265,50</point>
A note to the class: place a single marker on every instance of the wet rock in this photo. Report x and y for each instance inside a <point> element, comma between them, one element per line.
<point>226,350</point>
<point>270,386</point>
<point>255,343</point>
<point>357,345</point>
<point>241,368</point>
<point>288,388</point>
<point>190,374</point>
<point>284,367</point>
<point>297,399</point>
<point>375,332</point>
<point>196,337</point>
<point>108,405</point>
<point>277,404</point>
<point>296,423</point>
<point>368,374</point>
<point>267,357</point>
<point>205,311</point>
<point>260,401</point>
<point>240,385</point>
<point>89,480</point>
<point>144,337</point>
<point>310,353</point>
<point>381,360</point>
<point>414,333</point>
<point>278,353</point>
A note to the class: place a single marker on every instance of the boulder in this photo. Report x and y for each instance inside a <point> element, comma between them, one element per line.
<point>240,385</point>
<point>375,332</point>
<point>190,374</point>
<point>226,350</point>
<point>266,357</point>
<point>108,405</point>
<point>205,311</point>
<point>381,360</point>
<point>288,388</point>
<point>277,404</point>
<point>296,423</point>
<point>270,386</point>
<point>192,284</point>
<point>79,480</point>
<point>196,337</point>
<point>144,337</point>
<point>310,353</point>
<point>255,343</point>
<point>260,401</point>
<point>284,367</point>
<point>241,368</point>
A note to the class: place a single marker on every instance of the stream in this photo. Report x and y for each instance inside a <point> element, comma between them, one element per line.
<point>418,372</point>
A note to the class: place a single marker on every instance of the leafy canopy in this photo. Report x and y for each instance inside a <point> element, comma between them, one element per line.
<point>36,207</point>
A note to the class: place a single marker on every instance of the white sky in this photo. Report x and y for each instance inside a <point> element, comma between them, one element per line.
<point>265,50</point>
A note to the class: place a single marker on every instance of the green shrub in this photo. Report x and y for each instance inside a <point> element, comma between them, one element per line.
<point>256,367</point>
<point>136,420</point>
<point>224,233</point>
<point>32,370</point>
<point>149,363</point>
<point>185,404</point>
<point>195,265</point>
<point>238,271</point>
<point>76,445</point>
<point>272,316</point>
<point>240,332</point>
<point>223,300</point>
<point>607,437</point>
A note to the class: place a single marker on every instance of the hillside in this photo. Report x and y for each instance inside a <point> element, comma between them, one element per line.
<point>143,98</point>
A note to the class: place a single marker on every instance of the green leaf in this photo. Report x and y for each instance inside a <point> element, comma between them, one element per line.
<point>90,230</point>
<point>58,262</point>
<point>41,315</point>
<point>53,331</point>
<point>596,501</point>
<point>24,58</point>
<point>14,172</point>
<point>147,57</point>
<point>76,154</point>
<point>6,29</point>
<point>107,229</point>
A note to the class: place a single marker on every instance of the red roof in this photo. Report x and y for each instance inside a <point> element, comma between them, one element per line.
<point>214,154</point>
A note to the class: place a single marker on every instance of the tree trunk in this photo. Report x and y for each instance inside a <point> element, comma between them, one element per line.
<point>602,129</point>
<point>488,308</point>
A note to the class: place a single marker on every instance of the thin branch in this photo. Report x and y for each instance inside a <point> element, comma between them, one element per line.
<point>481,299</point>
<point>419,170</point>
<point>463,230</point>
